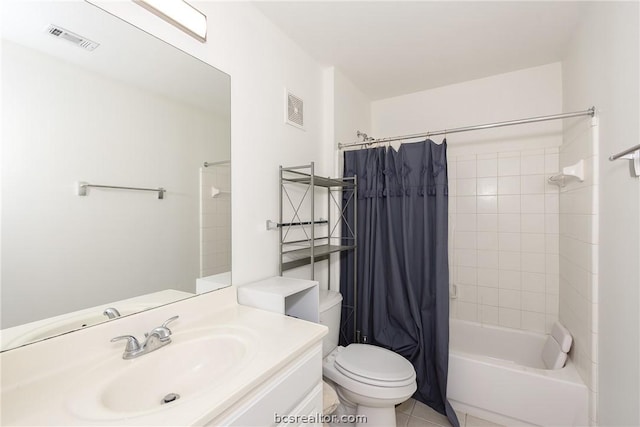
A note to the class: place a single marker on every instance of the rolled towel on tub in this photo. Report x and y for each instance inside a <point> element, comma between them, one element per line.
<point>554,353</point>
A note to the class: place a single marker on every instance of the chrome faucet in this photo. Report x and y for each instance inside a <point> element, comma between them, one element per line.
<point>157,338</point>
<point>111,312</point>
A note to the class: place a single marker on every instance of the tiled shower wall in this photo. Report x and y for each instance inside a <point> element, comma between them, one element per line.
<point>504,227</point>
<point>579,241</point>
<point>215,222</point>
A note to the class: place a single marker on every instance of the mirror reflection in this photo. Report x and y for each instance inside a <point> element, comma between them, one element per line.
<point>89,99</point>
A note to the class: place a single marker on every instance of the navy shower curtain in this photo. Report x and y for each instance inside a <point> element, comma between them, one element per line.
<point>402,260</point>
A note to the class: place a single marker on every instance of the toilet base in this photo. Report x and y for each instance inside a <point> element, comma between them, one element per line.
<point>380,416</point>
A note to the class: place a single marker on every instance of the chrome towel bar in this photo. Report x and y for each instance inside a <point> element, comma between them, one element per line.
<point>632,154</point>
<point>82,189</point>
<point>625,152</point>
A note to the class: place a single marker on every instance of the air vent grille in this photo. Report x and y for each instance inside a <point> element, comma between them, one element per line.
<point>76,39</point>
<point>294,110</point>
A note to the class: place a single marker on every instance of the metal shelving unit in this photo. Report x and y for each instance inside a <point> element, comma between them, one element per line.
<point>309,240</point>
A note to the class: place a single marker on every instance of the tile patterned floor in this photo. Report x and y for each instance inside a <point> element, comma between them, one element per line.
<point>416,414</point>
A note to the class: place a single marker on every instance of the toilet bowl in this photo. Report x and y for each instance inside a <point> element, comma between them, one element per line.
<point>369,380</point>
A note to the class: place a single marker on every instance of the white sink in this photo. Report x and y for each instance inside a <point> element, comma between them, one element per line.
<point>194,363</point>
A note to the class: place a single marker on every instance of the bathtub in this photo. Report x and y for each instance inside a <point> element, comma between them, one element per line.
<point>497,374</point>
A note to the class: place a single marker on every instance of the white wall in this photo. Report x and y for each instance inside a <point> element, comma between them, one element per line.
<point>602,69</point>
<point>504,252</point>
<point>262,62</point>
<point>351,113</point>
<point>57,243</point>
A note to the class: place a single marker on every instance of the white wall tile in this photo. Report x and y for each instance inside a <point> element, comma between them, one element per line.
<point>551,203</point>
<point>487,167</point>
<point>466,275</point>
<point>532,165</point>
<point>488,277</point>
<point>467,293</point>
<point>466,169</point>
<point>509,298</point>
<point>467,311</point>
<point>533,242</point>
<point>509,241</point>
<point>510,318</point>
<point>465,240</point>
<point>532,223</point>
<point>533,203</point>
<point>509,204</point>
<point>533,321</point>
<point>466,204</point>
<point>487,204</point>
<point>509,279</point>
<point>465,187</point>
<point>489,315</point>
<point>551,163</point>
<point>466,257</point>
<point>534,301</point>
<point>488,259</point>
<point>551,224</point>
<point>532,184</point>
<point>510,261</point>
<point>509,166</point>
<point>452,167</point>
<point>488,296</point>
<point>510,223</point>
<point>487,241</point>
<point>465,222</point>
<point>533,262</point>
<point>487,222</point>
<point>533,282</point>
<point>509,185</point>
<point>487,186</point>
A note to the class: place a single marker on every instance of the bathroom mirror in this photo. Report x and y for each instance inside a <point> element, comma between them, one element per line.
<point>88,98</point>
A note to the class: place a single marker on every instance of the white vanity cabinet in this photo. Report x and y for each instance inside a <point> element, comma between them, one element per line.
<point>272,368</point>
<point>294,392</point>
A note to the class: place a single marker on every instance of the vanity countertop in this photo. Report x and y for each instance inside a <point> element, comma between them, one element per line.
<point>62,381</point>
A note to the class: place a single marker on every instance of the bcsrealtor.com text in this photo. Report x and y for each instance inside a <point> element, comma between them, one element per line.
<point>318,418</point>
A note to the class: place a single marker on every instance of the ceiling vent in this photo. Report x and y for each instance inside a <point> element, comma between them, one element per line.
<point>294,114</point>
<point>76,39</point>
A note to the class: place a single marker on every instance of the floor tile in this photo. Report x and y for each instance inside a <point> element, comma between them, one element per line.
<point>479,422</point>
<point>419,422</point>
<point>461,418</point>
<point>421,410</point>
<point>401,419</point>
<point>406,407</point>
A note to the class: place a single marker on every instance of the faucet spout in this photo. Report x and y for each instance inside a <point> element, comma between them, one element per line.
<point>111,312</point>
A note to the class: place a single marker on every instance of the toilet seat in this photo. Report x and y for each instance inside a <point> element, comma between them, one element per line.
<point>376,366</point>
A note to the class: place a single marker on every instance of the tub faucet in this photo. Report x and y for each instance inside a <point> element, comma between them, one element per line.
<point>111,312</point>
<point>157,338</point>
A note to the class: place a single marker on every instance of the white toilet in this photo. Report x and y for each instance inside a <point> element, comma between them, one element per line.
<point>369,380</point>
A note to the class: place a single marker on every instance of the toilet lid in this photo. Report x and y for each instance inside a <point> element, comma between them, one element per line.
<point>375,365</point>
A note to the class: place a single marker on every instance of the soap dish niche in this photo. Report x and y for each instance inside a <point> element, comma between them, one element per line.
<point>575,172</point>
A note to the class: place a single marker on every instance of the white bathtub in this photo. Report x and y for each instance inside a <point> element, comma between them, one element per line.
<point>497,374</point>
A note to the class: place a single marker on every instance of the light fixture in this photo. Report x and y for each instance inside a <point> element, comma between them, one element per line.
<point>179,13</point>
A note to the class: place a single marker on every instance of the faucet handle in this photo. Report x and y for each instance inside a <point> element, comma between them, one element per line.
<point>169,320</point>
<point>162,332</point>
<point>132,343</point>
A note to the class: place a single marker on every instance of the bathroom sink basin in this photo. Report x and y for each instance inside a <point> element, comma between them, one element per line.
<point>195,362</point>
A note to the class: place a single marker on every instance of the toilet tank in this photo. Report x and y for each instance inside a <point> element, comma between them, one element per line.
<point>330,309</point>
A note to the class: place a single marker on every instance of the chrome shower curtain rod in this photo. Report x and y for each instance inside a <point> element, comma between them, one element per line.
<point>590,112</point>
